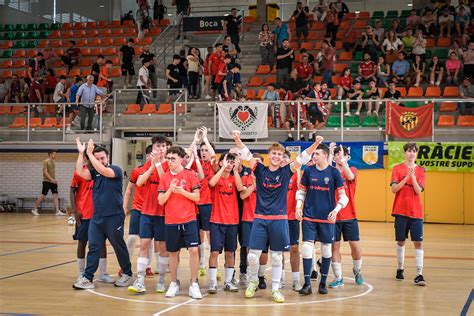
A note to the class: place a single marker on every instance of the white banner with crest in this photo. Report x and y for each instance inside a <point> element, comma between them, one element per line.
<point>249,118</point>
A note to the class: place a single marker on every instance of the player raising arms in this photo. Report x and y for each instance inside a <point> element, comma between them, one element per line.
<point>270,226</point>
<point>408,181</point>
<point>179,193</point>
<point>346,222</point>
<point>316,206</point>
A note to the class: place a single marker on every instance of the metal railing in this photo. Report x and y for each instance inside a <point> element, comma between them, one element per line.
<point>166,41</point>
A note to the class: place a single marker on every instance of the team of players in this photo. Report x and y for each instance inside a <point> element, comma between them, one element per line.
<point>182,197</point>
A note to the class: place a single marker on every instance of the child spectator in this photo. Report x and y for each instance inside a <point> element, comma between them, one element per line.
<point>453,69</point>
<point>436,71</point>
<point>104,80</point>
<point>418,71</point>
<point>345,83</point>
<point>355,94</point>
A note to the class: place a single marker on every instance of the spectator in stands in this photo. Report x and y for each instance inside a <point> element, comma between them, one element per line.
<point>379,30</point>
<point>59,95</point>
<point>468,35</point>
<point>311,60</point>
<point>215,60</point>
<point>304,69</point>
<point>414,20</point>
<point>272,96</point>
<point>296,114</point>
<point>408,41</point>
<point>468,58</point>
<point>456,49</point>
<point>127,17</point>
<point>428,23</point>
<point>383,71</point>
<point>239,93</point>
<point>265,38</point>
<point>320,10</point>
<point>72,95</point>
<point>232,27</point>
<point>229,83</point>
<point>183,8</point>
<point>453,69</point>
<point>327,63</point>
<point>342,9</point>
<point>447,6</point>
<point>221,73</point>
<point>151,69</point>
<point>143,83</point>
<point>419,46</point>
<point>183,68</point>
<point>173,77</point>
<point>281,33</point>
<point>207,73</point>
<point>436,71</point>
<point>466,91</point>
<point>3,91</point>
<point>285,57</point>
<point>462,21</point>
<point>367,69</point>
<point>159,10</point>
<point>126,54</point>
<point>370,42</point>
<point>36,93</point>
<point>50,85</point>
<point>345,83</point>
<point>295,83</point>
<point>316,110</point>
<point>143,20</point>
<point>350,38</point>
<point>397,28</point>
<point>332,22</point>
<point>401,69</point>
<point>49,56</point>
<point>229,48</point>
<point>71,55</point>
<point>446,22</point>
<point>372,94</point>
<point>24,90</point>
<point>418,71</point>
<point>391,46</point>
<point>87,94</point>
<point>36,65</point>
<point>392,93</point>
<point>104,81</point>
<point>193,72</point>
<point>14,90</point>
<point>301,18</point>
<point>95,71</point>
<point>355,94</point>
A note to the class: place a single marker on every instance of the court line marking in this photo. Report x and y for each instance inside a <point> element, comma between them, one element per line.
<point>174,307</point>
<point>39,269</point>
<point>468,303</point>
<point>27,250</point>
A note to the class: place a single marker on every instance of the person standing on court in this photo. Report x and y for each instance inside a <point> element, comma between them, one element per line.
<point>87,93</point>
<point>49,183</point>
<point>107,222</point>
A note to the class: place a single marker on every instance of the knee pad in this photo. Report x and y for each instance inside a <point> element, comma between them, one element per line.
<point>253,257</point>
<point>277,257</point>
<point>326,250</point>
<point>307,250</point>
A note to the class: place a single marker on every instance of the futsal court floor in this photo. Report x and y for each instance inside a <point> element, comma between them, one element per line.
<point>38,268</point>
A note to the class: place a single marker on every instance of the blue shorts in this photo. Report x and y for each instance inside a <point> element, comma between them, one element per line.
<point>152,227</point>
<point>312,231</point>
<point>246,229</point>
<point>270,233</point>
<point>181,236</point>
<point>224,237</point>
<point>294,226</point>
<point>134,225</point>
<point>205,216</point>
<point>349,230</point>
<point>404,224</point>
<point>81,231</point>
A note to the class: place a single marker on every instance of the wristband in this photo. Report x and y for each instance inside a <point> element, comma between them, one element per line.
<point>299,204</point>
<point>245,153</point>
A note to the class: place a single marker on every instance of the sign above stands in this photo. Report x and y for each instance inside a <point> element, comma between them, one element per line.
<point>203,23</point>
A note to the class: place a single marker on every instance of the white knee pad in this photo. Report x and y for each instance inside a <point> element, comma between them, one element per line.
<point>326,251</point>
<point>307,250</point>
<point>253,256</point>
<point>277,257</point>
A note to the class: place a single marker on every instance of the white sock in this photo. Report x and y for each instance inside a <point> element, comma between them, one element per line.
<point>81,265</point>
<point>357,264</point>
<point>229,273</point>
<point>337,270</point>
<point>276,276</point>
<point>290,135</point>
<point>213,275</point>
<point>102,266</point>
<point>131,241</point>
<point>419,261</point>
<point>142,264</point>
<point>400,256</point>
<point>157,258</point>
<point>202,256</point>
<point>151,253</point>
<point>310,134</point>
<point>315,263</point>
<point>162,266</point>
<point>296,276</point>
<point>261,270</point>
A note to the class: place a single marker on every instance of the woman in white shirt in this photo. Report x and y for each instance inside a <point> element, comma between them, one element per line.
<point>391,46</point>
<point>193,72</point>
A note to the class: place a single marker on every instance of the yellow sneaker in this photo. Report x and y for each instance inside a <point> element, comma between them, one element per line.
<point>277,297</point>
<point>202,272</point>
<point>219,276</point>
<point>251,288</point>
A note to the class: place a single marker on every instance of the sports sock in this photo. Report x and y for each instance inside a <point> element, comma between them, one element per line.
<point>337,270</point>
<point>151,253</point>
<point>142,264</point>
<point>419,261</point>
<point>202,256</point>
<point>315,263</point>
<point>229,273</point>
<point>295,276</point>
<point>243,260</point>
<point>213,275</point>
<point>325,263</point>
<point>357,264</point>
<point>102,266</point>
<point>131,241</point>
<point>81,265</point>
<point>400,256</point>
<point>276,277</point>
<point>162,266</point>
<point>261,270</point>
<point>307,268</point>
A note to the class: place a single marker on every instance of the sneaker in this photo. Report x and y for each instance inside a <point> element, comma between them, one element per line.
<point>282,283</point>
<point>160,286</point>
<point>302,139</point>
<point>314,275</point>
<point>277,297</point>
<point>35,212</point>
<point>376,113</point>
<point>149,273</point>
<point>356,113</point>
<point>306,289</point>
<point>336,283</point>
<point>359,279</point>
<point>243,279</point>
<point>194,291</point>
<point>59,213</point>
<point>137,287</point>
<point>419,280</point>
<point>230,287</point>
<point>120,273</point>
<point>212,288</point>
<point>125,280</point>
<point>290,139</point>
<point>322,288</point>
<point>347,114</point>
<point>208,97</point>
<point>83,283</point>
<point>297,286</point>
<point>251,289</point>
<point>202,272</point>
<point>262,285</point>
<point>399,275</point>
<point>218,276</point>
<point>105,278</point>
<point>368,113</point>
<point>173,290</point>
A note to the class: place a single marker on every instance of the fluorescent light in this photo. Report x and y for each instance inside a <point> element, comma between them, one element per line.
<point>409,4</point>
<point>357,12</point>
<point>101,6</point>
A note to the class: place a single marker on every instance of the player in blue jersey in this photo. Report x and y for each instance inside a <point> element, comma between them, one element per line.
<point>270,226</point>
<point>316,207</point>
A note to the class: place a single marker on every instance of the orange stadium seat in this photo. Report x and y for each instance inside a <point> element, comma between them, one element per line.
<point>138,50</point>
<point>49,109</point>
<point>382,91</point>
<point>255,82</point>
<point>85,51</point>
<point>127,23</point>
<point>18,122</point>
<point>93,42</point>
<point>260,94</point>
<point>350,16</point>
<point>6,64</point>
<point>448,107</point>
<point>318,26</point>
<point>433,92</point>
<point>17,109</point>
<point>59,52</point>
<point>115,72</point>
<point>105,33</point>
<point>344,25</point>
<point>5,110</point>
<point>446,121</point>
<point>19,63</point>
<point>43,43</point>
<point>415,92</point>
<point>117,32</point>
<point>19,53</point>
<point>91,33</point>
<point>145,41</point>
<point>430,42</point>
<point>85,62</point>
<point>318,78</point>
<point>360,24</point>
<point>74,72</point>
<point>263,70</point>
<point>66,26</point>
<point>154,31</point>
<point>129,32</point>
<point>7,74</point>
<point>317,45</point>
<point>165,108</point>
<point>339,45</point>
<point>78,33</point>
<point>251,94</point>
<point>93,25</point>
<point>403,91</point>
<point>339,68</point>
<point>335,79</point>
<point>63,122</point>
<point>82,42</point>
<point>106,41</point>
<point>102,24</point>
<point>451,92</point>
<point>313,36</point>
<point>132,109</point>
<point>66,34</point>
<point>345,56</point>
<point>119,41</point>
<point>307,45</point>
<point>115,24</point>
<point>466,120</point>
<point>31,53</point>
<point>86,72</point>
<point>56,43</point>
<point>115,60</point>
<point>61,72</point>
<point>49,122</point>
<point>298,58</point>
<point>340,35</point>
<point>6,44</point>
<point>444,42</point>
<point>21,73</point>
<point>78,26</point>
<point>55,34</point>
<point>96,51</point>
<point>269,80</point>
<point>364,15</point>
<point>148,109</point>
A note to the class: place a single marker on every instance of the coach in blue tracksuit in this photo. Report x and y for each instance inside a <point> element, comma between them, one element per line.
<point>108,219</point>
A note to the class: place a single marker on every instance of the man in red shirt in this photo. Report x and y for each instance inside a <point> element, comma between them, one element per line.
<point>224,220</point>
<point>367,69</point>
<point>71,55</point>
<point>327,62</point>
<point>214,61</point>
<point>178,192</point>
<point>83,207</point>
<point>408,181</point>
<point>305,70</point>
<point>346,222</point>
<point>221,73</point>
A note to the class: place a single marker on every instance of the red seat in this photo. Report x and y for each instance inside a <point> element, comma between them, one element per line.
<point>102,24</point>
<point>263,70</point>
<point>79,33</point>
<point>307,45</point>
<point>127,23</point>
<point>78,25</point>
<point>129,32</point>
<point>66,34</point>
<point>318,26</point>
<point>117,32</point>
<point>345,56</point>
<point>59,52</point>
<point>115,24</point>
<point>43,43</point>
<point>451,92</point>
<point>415,92</point>
<point>4,110</point>
<point>446,121</point>
<point>7,74</point>
<point>55,34</point>
<point>75,72</point>
<point>82,42</point>
<point>403,91</point>
<point>106,41</point>
<point>85,62</point>
<point>56,43</point>
<point>19,63</point>
<point>339,68</point>
<point>119,41</point>
<point>255,81</point>
<point>93,42</point>
<point>165,108</point>
<point>18,122</point>
<point>21,73</point>
<point>269,80</point>
<point>115,72</point>
<point>145,41</point>
<point>433,92</point>
<point>96,51</point>
<point>444,42</point>
<point>105,33</point>
<point>148,109</point>
<point>91,33</point>
<point>17,109</point>
<point>49,122</point>
<point>85,51</point>
<point>132,109</point>
<point>7,63</point>
<point>6,45</point>
<point>93,25</point>
<point>250,94</point>
<point>448,107</point>
<point>61,72</point>
<point>466,120</point>
<point>19,53</point>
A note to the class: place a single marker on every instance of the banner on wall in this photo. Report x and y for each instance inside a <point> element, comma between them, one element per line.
<point>447,157</point>
<point>202,23</point>
<point>249,119</point>
<point>364,155</point>
<point>409,122</point>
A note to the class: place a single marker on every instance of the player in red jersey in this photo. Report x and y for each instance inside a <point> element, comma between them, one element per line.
<point>83,207</point>
<point>346,222</point>
<point>224,220</point>
<point>408,181</point>
<point>178,192</point>
<point>214,61</point>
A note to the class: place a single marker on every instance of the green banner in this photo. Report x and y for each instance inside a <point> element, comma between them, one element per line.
<point>446,157</point>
